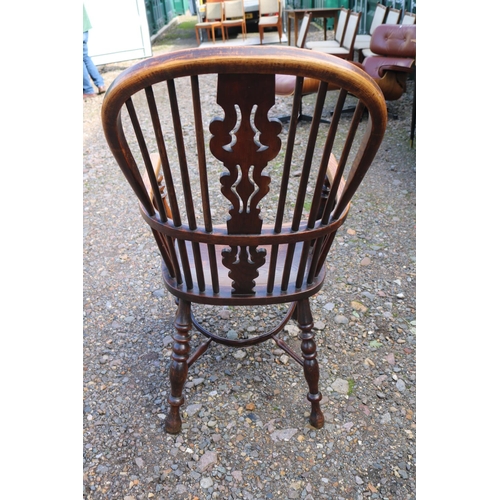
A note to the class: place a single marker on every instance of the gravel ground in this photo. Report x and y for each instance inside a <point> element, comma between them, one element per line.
<point>246,433</point>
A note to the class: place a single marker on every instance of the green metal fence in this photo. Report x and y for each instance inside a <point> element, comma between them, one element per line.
<point>161,12</point>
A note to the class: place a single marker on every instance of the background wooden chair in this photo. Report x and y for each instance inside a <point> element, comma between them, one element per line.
<point>270,16</point>
<point>234,16</point>
<point>409,18</point>
<point>234,225</point>
<point>338,36</point>
<point>362,41</point>
<point>214,14</point>
<point>392,18</point>
<point>285,84</point>
<point>346,49</point>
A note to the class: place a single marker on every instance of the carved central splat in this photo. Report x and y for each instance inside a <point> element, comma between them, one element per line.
<point>245,141</point>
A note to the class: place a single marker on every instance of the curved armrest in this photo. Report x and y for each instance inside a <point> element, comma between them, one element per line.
<point>377,66</point>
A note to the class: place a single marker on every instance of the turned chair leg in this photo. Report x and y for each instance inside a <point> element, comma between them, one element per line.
<point>311,366</point>
<point>179,366</point>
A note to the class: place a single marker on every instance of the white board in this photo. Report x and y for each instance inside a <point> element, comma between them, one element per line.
<point>119,30</point>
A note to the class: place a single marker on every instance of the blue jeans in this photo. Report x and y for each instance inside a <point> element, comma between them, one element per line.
<point>90,72</point>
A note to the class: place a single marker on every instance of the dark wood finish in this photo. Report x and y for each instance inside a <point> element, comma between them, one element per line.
<point>271,246</point>
<point>298,14</point>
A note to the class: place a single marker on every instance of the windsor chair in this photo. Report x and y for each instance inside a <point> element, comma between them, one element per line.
<point>217,185</point>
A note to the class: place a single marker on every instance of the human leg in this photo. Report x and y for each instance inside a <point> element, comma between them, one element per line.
<point>90,72</point>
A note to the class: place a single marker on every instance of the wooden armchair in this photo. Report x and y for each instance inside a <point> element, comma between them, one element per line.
<point>233,224</point>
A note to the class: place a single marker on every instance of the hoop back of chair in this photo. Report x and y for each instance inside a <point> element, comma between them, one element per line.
<point>240,213</point>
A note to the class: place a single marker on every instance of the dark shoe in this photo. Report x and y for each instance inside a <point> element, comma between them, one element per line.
<point>101,90</point>
<point>86,96</point>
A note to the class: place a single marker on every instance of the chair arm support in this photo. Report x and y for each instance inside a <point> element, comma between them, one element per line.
<point>377,66</point>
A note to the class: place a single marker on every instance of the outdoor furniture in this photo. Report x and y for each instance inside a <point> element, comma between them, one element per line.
<point>394,48</point>
<point>269,17</point>
<point>317,12</point>
<point>234,16</point>
<point>214,14</point>
<point>235,225</point>
<point>392,17</point>
<point>346,49</point>
<point>338,36</point>
<point>285,84</point>
<point>409,18</point>
<point>363,40</point>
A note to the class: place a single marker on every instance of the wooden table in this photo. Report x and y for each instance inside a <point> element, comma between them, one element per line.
<point>298,14</point>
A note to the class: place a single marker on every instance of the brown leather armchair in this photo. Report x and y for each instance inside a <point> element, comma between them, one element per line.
<point>395,48</point>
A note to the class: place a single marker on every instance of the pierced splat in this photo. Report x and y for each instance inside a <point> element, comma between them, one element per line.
<point>245,141</point>
<point>243,263</point>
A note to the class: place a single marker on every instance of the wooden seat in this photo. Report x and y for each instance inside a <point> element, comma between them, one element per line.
<point>243,212</point>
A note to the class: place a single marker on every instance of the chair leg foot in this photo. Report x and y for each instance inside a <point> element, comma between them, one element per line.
<point>179,367</point>
<point>311,366</point>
